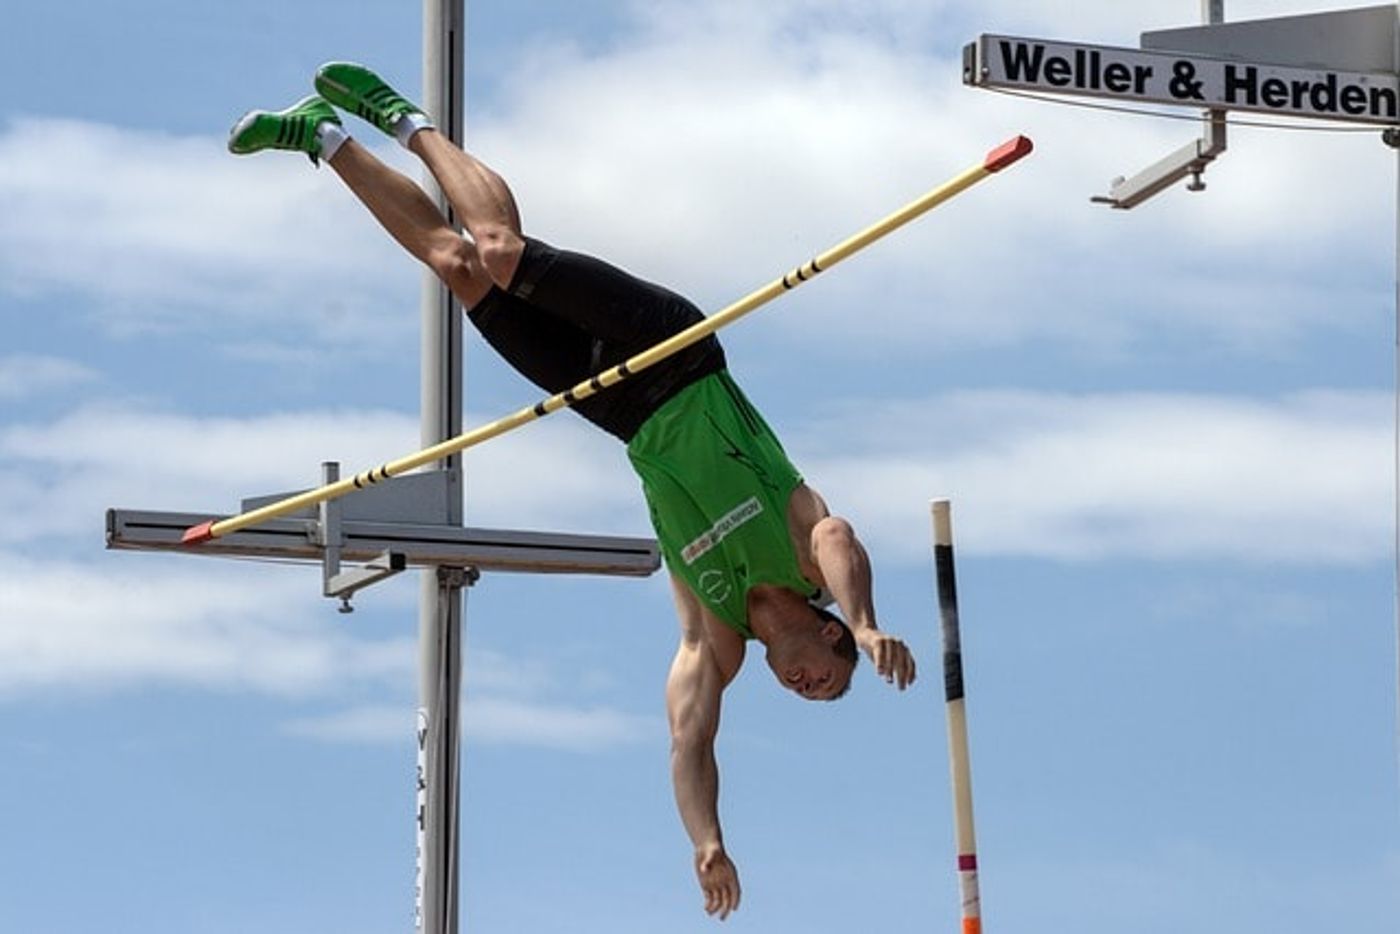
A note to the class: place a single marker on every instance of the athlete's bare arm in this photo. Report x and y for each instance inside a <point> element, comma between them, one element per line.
<point>832,555</point>
<point>706,661</point>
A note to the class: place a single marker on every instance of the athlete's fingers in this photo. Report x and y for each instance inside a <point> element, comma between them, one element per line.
<point>729,899</point>
<point>906,671</point>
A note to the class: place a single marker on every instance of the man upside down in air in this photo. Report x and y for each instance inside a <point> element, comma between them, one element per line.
<point>751,549</point>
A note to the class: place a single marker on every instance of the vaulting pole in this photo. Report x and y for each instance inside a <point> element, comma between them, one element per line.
<point>958,759</point>
<point>996,160</point>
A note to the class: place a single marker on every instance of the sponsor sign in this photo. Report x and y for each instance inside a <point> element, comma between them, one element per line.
<point>1157,77</point>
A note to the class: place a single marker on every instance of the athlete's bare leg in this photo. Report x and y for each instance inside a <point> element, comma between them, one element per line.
<point>480,197</point>
<point>410,216</point>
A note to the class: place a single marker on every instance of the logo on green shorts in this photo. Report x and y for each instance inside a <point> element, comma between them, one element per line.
<point>727,523</point>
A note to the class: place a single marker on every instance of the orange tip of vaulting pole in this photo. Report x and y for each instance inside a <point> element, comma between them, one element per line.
<point>1007,153</point>
<point>198,534</point>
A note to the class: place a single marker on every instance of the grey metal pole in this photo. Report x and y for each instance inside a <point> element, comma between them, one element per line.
<point>440,615</point>
<point>1393,140</point>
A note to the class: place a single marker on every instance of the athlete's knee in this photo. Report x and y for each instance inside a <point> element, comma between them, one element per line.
<point>499,248</point>
<point>455,261</point>
<point>452,258</point>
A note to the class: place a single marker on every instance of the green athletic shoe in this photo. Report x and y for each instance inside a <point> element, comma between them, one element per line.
<point>293,128</point>
<point>357,90</point>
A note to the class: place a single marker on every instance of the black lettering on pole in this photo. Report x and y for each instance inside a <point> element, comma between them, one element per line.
<point>1274,93</point>
<point>1182,85</point>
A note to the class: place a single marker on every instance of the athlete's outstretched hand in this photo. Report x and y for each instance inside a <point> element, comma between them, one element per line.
<point>719,880</point>
<point>891,657</point>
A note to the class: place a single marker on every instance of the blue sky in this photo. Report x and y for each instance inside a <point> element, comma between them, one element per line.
<point>1168,435</point>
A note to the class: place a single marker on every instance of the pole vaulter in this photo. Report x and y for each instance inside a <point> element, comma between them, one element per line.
<point>996,160</point>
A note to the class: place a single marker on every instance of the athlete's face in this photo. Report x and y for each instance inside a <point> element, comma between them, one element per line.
<point>807,666</point>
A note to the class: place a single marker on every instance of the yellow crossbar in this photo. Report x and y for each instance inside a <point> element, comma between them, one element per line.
<point>996,160</point>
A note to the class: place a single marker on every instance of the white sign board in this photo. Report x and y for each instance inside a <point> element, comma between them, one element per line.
<point>1170,78</point>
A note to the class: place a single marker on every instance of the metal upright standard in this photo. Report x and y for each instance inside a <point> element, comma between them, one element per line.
<point>414,521</point>
<point>440,618</point>
<point>958,759</point>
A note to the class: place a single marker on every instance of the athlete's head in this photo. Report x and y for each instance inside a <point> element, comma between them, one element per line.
<point>817,660</point>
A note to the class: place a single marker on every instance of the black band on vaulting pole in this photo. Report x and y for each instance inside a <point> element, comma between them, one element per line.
<point>959,758</point>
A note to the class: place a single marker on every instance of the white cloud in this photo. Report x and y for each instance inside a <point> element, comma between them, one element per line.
<point>1112,23</point>
<point>370,724</point>
<point>565,476</point>
<point>61,475</point>
<point>26,375</point>
<point>508,702</point>
<point>173,233</point>
<point>94,626</point>
<point>496,721</point>
<point>1303,479</point>
<point>800,135</point>
<point>811,121</point>
<point>556,726</point>
<point>78,623</point>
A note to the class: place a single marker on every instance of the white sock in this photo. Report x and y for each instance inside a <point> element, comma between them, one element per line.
<point>411,123</point>
<point>331,136</point>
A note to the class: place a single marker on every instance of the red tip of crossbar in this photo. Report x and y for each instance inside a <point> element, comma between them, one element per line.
<point>1007,153</point>
<point>198,534</point>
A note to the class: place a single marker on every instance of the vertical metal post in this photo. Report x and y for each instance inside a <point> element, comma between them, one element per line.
<point>1213,140</point>
<point>1392,138</point>
<point>440,615</point>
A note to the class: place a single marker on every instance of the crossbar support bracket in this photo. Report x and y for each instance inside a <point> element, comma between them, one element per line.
<point>1190,159</point>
